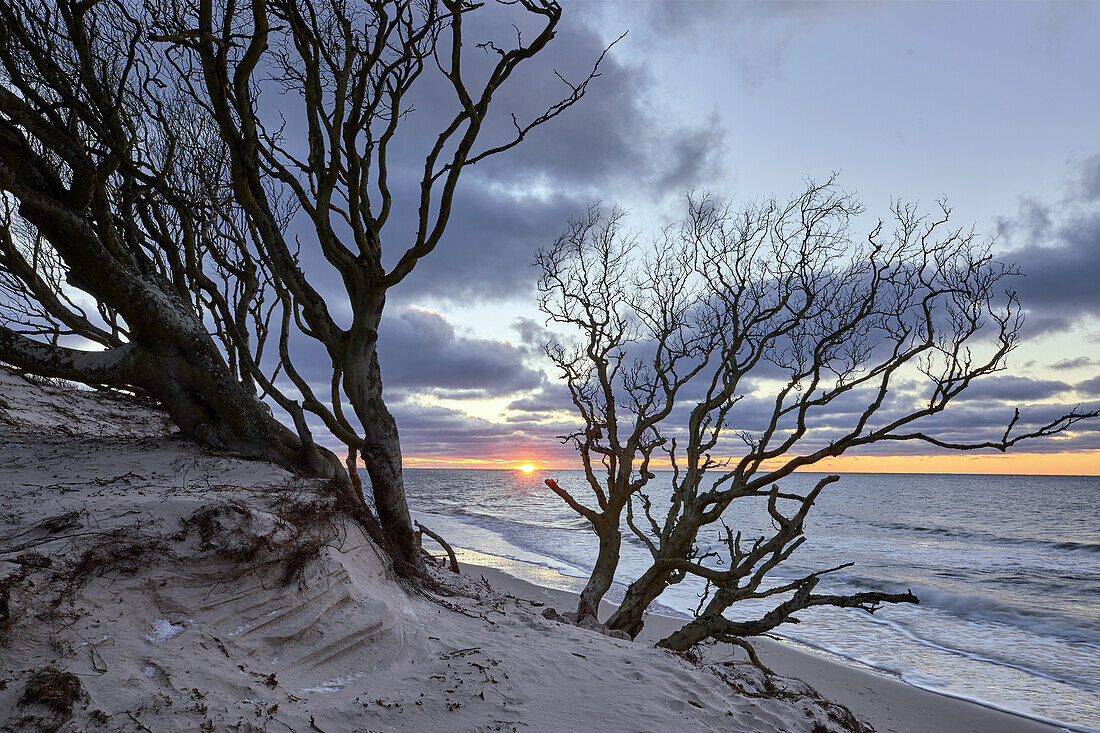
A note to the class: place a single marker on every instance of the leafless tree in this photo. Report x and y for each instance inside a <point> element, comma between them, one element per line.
<point>147,175</point>
<point>772,305</point>
<point>118,266</point>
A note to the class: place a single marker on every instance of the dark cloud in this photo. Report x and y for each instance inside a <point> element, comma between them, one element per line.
<point>1089,387</point>
<point>1057,248</point>
<point>552,397</point>
<point>1008,388</point>
<point>487,252</point>
<point>421,352</point>
<point>1088,184</point>
<point>1079,362</point>
<point>614,143</point>
<point>533,333</point>
<point>448,433</point>
<point>618,137</point>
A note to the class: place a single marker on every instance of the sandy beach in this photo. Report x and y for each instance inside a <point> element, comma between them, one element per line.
<point>150,585</point>
<point>889,705</point>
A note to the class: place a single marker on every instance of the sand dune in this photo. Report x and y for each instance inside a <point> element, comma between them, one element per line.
<point>190,591</point>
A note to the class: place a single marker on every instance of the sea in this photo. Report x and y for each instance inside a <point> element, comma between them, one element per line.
<point>1007,570</point>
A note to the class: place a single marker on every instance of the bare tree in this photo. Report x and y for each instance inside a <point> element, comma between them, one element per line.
<point>351,67</point>
<point>113,238</point>
<point>159,182</point>
<point>589,281</point>
<point>771,306</point>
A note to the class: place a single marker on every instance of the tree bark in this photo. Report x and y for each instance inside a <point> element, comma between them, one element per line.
<point>183,370</point>
<point>603,574</point>
<point>629,617</point>
<point>381,453</point>
<point>713,624</point>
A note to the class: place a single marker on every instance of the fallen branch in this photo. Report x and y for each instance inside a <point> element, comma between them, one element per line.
<point>451,559</point>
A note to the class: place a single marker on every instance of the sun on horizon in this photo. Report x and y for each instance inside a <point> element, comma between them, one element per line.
<point>527,468</point>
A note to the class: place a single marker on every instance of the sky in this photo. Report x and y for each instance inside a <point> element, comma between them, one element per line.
<point>990,105</point>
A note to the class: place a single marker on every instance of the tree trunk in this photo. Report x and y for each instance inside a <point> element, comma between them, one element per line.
<point>382,457</point>
<point>182,369</point>
<point>692,633</point>
<point>603,574</point>
<point>639,595</point>
<point>207,402</point>
<point>652,583</point>
<point>709,623</point>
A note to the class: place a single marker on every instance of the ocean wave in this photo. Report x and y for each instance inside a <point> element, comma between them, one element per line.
<point>569,523</point>
<point>1059,545</point>
<point>979,608</point>
<point>1012,594</point>
<point>512,540</point>
<point>933,684</point>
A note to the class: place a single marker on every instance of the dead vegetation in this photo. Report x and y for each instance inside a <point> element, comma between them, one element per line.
<point>55,690</point>
<point>292,536</point>
<point>753,679</point>
<point>14,581</point>
<point>121,550</point>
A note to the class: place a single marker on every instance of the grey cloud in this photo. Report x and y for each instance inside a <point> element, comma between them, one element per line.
<point>613,143</point>
<point>1089,180</point>
<point>1008,388</point>
<point>1057,248</point>
<point>551,398</point>
<point>440,432</point>
<point>420,351</point>
<point>444,432</point>
<point>692,154</point>
<point>1090,387</point>
<point>1077,363</point>
<point>533,333</point>
<point>616,138</point>
<point>755,35</point>
<point>487,251</point>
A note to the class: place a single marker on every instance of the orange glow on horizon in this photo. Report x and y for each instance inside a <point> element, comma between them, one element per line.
<point>1084,463</point>
<point>527,468</point>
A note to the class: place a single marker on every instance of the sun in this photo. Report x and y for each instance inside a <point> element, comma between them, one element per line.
<point>527,468</point>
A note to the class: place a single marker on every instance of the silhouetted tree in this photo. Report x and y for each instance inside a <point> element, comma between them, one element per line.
<point>147,178</point>
<point>118,266</point>
<point>776,306</point>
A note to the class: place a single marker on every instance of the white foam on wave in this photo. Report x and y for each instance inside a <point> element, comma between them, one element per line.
<point>926,682</point>
<point>480,538</point>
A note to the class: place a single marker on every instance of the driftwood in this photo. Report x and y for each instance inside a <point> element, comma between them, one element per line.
<point>452,561</point>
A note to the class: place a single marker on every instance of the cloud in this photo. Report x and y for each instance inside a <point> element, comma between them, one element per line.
<point>1008,388</point>
<point>553,397</point>
<point>533,333</point>
<point>1089,387</point>
<point>442,433</point>
<point>613,144</point>
<point>1057,248</point>
<point>756,37</point>
<point>420,352</point>
<point>1079,362</point>
<point>487,252</point>
<point>446,433</point>
<point>1088,183</point>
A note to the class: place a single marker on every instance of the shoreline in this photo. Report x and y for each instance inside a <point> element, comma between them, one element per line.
<point>163,587</point>
<point>890,704</point>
